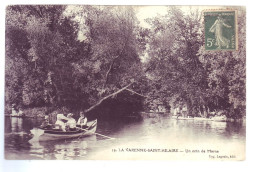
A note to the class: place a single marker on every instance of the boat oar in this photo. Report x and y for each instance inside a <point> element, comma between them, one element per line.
<point>104,136</point>
<point>97,133</point>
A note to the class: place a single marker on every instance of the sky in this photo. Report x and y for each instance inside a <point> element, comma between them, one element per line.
<point>144,12</point>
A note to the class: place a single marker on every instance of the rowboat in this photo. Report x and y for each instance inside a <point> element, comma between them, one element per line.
<point>182,118</point>
<point>48,135</point>
<point>23,116</point>
<point>220,118</point>
<point>16,116</point>
<point>202,119</point>
<point>192,118</point>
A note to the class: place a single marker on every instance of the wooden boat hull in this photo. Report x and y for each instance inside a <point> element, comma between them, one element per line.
<point>16,116</point>
<point>220,118</point>
<point>203,119</point>
<point>182,118</point>
<point>192,118</point>
<point>23,116</point>
<point>47,135</point>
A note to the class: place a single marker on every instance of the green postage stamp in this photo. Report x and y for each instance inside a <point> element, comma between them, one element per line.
<point>220,30</point>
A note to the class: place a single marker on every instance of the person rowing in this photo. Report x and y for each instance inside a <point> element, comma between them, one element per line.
<point>82,121</point>
<point>46,123</point>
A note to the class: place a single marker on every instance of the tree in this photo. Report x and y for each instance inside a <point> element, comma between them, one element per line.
<point>175,70</point>
<point>227,73</point>
<point>70,62</point>
<point>110,36</point>
<point>47,43</point>
<point>182,72</point>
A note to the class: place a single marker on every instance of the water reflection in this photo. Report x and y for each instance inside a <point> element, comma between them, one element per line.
<point>63,149</point>
<point>16,124</point>
<point>156,131</point>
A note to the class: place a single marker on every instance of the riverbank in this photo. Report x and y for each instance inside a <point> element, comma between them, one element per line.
<point>39,112</point>
<point>215,118</point>
<point>30,112</point>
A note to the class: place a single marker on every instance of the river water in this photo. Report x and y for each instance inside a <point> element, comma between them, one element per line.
<point>158,137</point>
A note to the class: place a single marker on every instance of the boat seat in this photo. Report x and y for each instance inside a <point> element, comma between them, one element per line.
<point>84,126</point>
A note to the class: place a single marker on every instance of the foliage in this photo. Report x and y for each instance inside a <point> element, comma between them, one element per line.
<point>176,73</point>
<point>75,56</point>
<point>183,73</point>
<point>114,55</point>
<point>48,64</point>
<point>227,73</point>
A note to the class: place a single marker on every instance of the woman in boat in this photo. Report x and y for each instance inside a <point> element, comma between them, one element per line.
<point>82,121</point>
<point>60,123</point>
<point>71,123</point>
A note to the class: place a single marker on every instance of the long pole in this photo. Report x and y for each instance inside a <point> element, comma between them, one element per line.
<point>104,136</point>
<point>97,133</point>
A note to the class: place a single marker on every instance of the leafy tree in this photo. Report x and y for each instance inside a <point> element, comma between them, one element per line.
<point>82,56</point>
<point>180,71</point>
<point>176,72</point>
<point>63,69</point>
<point>110,36</point>
<point>227,74</point>
<point>47,45</point>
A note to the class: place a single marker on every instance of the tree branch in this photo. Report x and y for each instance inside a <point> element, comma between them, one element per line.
<point>135,93</point>
<point>111,95</point>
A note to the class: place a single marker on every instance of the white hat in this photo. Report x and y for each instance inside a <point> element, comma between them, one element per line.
<point>70,115</point>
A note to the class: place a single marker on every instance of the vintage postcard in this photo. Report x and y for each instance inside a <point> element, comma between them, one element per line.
<point>91,82</point>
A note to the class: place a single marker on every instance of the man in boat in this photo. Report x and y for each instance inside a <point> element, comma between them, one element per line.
<point>82,121</point>
<point>71,123</point>
<point>60,123</point>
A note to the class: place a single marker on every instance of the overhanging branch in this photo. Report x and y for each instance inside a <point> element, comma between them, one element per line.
<point>136,93</point>
<point>111,95</point>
